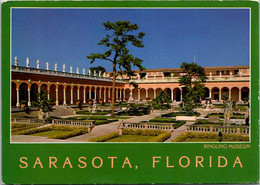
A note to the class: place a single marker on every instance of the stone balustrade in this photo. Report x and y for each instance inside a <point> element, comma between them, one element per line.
<point>27,120</point>
<point>151,126</point>
<point>84,123</point>
<point>215,129</point>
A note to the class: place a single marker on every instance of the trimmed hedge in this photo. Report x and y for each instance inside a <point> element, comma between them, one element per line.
<point>104,137</point>
<point>72,131</point>
<point>231,137</point>
<point>174,114</point>
<point>221,115</point>
<point>16,127</point>
<point>161,137</point>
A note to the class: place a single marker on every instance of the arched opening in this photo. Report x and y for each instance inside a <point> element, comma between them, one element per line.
<point>98,93</point>
<point>206,92</point>
<point>33,92</point>
<point>44,87</point>
<point>92,93</point>
<point>13,95</point>
<point>81,90</point>
<point>53,92</point>
<point>215,93</point>
<point>23,92</point>
<point>235,94</point>
<point>176,94</point>
<point>127,94</point>
<point>168,92</point>
<point>60,94</point>
<point>142,94</point>
<point>75,94</point>
<point>151,93</point>
<point>68,94</point>
<point>158,90</point>
<point>135,94</point>
<point>224,93</point>
<point>245,94</point>
<point>87,93</point>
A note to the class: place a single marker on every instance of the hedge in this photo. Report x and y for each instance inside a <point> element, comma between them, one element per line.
<point>231,137</point>
<point>161,137</point>
<point>104,137</point>
<point>16,127</point>
<point>174,114</point>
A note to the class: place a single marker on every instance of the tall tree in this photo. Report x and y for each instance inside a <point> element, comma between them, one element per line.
<point>193,83</point>
<point>120,35</point>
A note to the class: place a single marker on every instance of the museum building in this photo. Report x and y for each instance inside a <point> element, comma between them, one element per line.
<point>65,88</point>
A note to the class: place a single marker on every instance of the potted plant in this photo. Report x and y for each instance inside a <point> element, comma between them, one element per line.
<point>77,102</point>
<point>101,101</point>
<point>90,101</point>
<point>148,100</point>
<point>23,104</point>
<point>245,100</point>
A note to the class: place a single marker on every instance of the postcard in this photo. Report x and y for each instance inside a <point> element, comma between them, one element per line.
<point>120,92</point>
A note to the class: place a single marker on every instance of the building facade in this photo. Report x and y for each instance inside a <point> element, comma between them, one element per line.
<point>66,88</point>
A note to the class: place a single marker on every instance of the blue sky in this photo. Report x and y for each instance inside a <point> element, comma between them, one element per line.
<point>218,37</point>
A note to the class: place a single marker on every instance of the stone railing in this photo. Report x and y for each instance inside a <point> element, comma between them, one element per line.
<point>238,121</point>
<point>215,129</point>
<point>28,120</point>
<point>60,73</point>
<point>151,126</point>
<point>78,123</point>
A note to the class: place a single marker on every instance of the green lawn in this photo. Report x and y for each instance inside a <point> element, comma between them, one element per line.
<point>51,133</point>
<point>131,138</point>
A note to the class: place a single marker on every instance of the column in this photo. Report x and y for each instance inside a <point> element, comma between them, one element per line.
<point>64,96</point>
<point>138,94</point>
<point>100,91</point>
<point>78,93</point>
<point>172,95</point>
<point>219,97</point>
<point>229,95</point>
<point>123,93</point>
<point>146,94</point>
<point>154,93</point>
<point>116,94</point>
<point>181,94</point>
<point>48,95</point>
<point>239,95</point>
<point>57,97</point>
<point>105,95</point>
<point>95,94</point>
<point>210,93</point>
<point>17,102</point>
<point>29,97</point>
<point>109,94</point>
<point>84,95</point>
<point>210,75</point>
<point>89,93</point>
<point>71,96</point>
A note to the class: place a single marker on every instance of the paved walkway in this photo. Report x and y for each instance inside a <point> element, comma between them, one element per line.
<point>111,127</point>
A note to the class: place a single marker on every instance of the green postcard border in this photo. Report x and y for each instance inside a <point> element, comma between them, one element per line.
<point>140,155</point>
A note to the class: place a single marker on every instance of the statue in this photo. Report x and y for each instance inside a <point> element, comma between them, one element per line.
<point>70,69</point>
<point>15,61</point>
<point>56,67</point>
<point>83,71</point>
<point>89,72</point>
<point>63,68</point>
<point>227,112</point>
<point>38,64</point>
<point>27,62</point>
<point>99,73</point>
<point>95,73</point>
<point>104,75</point>
<point>131,100</point>
<point>47,65</point>
<point>77,70</point>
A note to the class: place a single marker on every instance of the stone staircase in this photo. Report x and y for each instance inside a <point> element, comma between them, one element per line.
<point>62,111</point>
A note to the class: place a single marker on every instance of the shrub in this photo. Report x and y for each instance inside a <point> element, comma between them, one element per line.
<point>35,130</point>
<point>143,132</point>
<point>16,127</point>
<point>174,114</point>
<point>76,132</point>
<point>161,137</point>
<point>102,122</point>
<point>104,137</point>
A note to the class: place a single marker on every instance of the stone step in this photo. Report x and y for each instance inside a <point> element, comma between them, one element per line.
<point>62,111</point>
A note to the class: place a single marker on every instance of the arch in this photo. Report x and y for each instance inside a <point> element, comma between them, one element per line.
<point>60,94</point>
<point>245,94</point>
<point>127,94</point>
<point>75,93</point>
<point>158,90</point>
<point>135,94</point>
<point>44,87</point>
<point>92,93</point>
<point>23,92</point>
<point>33,92</point>
<point>87,92</point>
<point>215,93</point>
<point>13,94</point>
<point>81,92</point>
<point>98,93</point>
<point>206,93</point>
<point>103,93</point>
<point>151,93</point>
<point>53,92</point>
<point>235,93</point>
<point>176,94</point>
<point>142,94</point>
<point>168,92</point>
<point>68,94</point>
<point>224,93</point>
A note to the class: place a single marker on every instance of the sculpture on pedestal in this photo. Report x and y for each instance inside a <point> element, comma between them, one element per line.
<point>47,65</point>
<point>70,69</point>
<point>56,67</point>
<point>27,62</point>
<point>38,64</point>
<point>15,61</point>
<point>63,68</point>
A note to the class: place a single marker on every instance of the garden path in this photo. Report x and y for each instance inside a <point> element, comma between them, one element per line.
<point>112,127</point>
